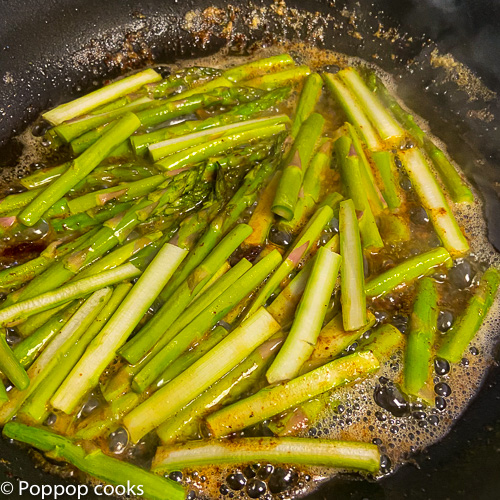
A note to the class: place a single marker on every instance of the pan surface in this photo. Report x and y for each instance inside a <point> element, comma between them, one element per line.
<point>54,50</point>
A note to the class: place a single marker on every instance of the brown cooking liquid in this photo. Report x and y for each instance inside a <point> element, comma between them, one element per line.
<point>355,415</point>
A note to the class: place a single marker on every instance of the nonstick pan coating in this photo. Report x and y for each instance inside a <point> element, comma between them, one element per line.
<point>53,50</point>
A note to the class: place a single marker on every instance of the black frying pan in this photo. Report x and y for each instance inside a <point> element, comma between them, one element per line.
<point>54,50</point>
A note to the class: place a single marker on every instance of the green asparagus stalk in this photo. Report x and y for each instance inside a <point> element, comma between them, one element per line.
<point>393,228</point>
<point>241,112</point>
<point>11,367</point>
<point>384,123</point>
<point>33,323</point>
<point>375,198</point>
<point>143,341</point>
<point>96,463</point>
<point>195,330</point>
<point>18,275</point>
<point>218,146</point>
<point>42,177</point>
<point>309,317</point>
<point>220,82</point>
<point>69,292</point>
<point>97,424</point>
<point>276,399</point>
<point>352,277</point>
<point>407,271</point>
<point>296,165</point>
<point>284,305</point>
<point>79,168</point>
<point>351,177</point>
<point>122,192</point>
<point>301,247</point>
<point>353,111</point>
<point>170,146</point>
<point>121,381</point>
<point>434,202</point>
<point>101,96</point>
<point>164,403</point>
<point>222,223</point>
<point>384,161</point>
<point>28,349</point>
<point>273,80</point>
<point>310,192</point>
<point>122,254</point>
<point>14,202</point>
<point>465,328</point>
<point>304,451</point>
<point>186,77</point>
<point>333,339</point>
<point>244,378</point>
<point>186,359</point>
<point>421,338</point>
<point>257,68</point>
<point>103,348</point>
<point>383,342</point>
<point>37,405</point>
<point>456,186</point>
<point>262,217</point>
<point>309,96</point>
<point>69,131</point>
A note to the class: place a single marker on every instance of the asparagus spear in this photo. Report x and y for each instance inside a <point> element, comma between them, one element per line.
<point>352,277</point>
<point>223,357</point>
<point>121,381</point>
<point>333,339</point>
<point>283,306</point>
<point>186,359</point>
<point>301,247</point>
<point>168,147</point>
<point>310,192</point>
<point>186,77</point>
<point>384,123</point>
<point>66,293</point>
<point>42,177</point>
<point>205,320</point>
<point>373,194</point>
<point>458,189</point>
<point>463,330</point>
<point>37,405</point>
<point>309,317</point>
<point>15,276</point>
<point>257,68</point>
<point>103,348</point>
<point>243,198</point>
<point>27,350</point>
<point>384,161</point>
<point>214,147</point>
<point>11,367</point>
<point>421,338</point>
<point>353,111</point>
<point>296,164</point>
<point>145,339</point>
<point>96,463</point>
<point>434,202</point>
<point>273,80</point>
<point>262,217</point>
<point>276,399</point>
<point>311,92</point>
<point>79,168</point>
<point>101,96</point>
<point>305,451</point>
<point>349,166</point>
<point>407,271</point>
<point>242,379</point>
<point>141,142</point>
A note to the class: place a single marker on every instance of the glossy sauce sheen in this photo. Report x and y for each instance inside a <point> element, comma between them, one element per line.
<point>398,428</point>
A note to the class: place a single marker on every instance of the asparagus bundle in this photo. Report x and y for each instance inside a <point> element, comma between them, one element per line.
<point>161,284</point>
